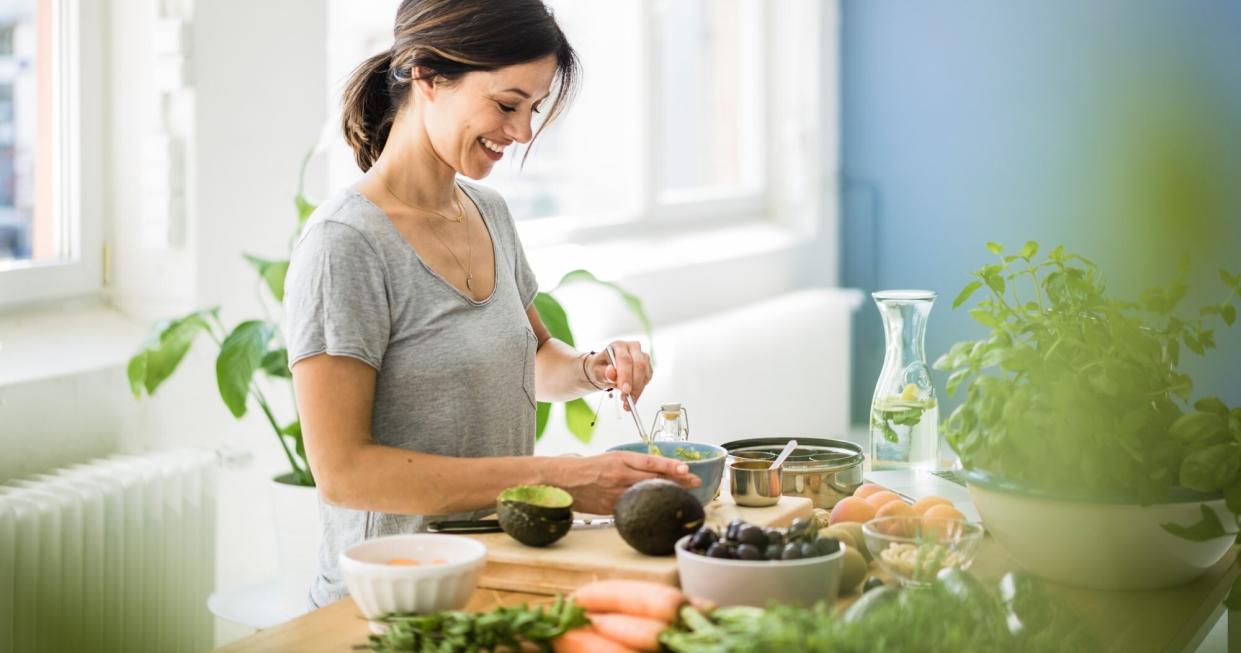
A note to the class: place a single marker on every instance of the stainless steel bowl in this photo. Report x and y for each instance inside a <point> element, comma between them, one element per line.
<point>753,483</point>
<point>821,469</point>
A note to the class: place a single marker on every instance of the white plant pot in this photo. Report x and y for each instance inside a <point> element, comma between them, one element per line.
<point>295,510</point>
<point>1098,545</point>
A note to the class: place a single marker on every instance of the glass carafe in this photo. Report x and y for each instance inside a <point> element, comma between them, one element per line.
<point>671,423</point>
<point>904,415</point>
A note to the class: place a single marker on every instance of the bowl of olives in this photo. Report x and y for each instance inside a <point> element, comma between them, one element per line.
<point>748,564</point>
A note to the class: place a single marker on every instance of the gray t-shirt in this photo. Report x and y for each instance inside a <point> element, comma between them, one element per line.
<point>455,376</point>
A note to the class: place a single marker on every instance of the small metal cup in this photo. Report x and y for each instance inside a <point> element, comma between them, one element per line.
<point>734,456</point>
<point>753,483</point>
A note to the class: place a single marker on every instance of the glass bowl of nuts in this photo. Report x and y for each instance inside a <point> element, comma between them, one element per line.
<point>912,550</point>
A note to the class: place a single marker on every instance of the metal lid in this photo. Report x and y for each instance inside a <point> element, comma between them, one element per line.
<point>811,454</point>
<point>672,406</point>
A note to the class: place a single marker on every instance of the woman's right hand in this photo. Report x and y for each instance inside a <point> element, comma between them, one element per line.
<point>596,482</point>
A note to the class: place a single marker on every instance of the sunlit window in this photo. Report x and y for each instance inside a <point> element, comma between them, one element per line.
<point>27,224</point>
<point>669,114</point>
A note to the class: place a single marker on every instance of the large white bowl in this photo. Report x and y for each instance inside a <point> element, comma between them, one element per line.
<point>1098,545</point>
<point>380,588</point>
<point>805,581</point>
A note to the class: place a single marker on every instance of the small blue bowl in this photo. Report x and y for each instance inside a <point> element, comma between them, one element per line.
<point>710,469</point>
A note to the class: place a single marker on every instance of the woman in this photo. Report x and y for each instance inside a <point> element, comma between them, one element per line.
<point>416,352</point>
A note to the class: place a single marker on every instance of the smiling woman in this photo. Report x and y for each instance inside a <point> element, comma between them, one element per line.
<point>416,353</point>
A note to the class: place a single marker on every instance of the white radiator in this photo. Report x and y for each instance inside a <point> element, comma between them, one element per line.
<point>114,555</point>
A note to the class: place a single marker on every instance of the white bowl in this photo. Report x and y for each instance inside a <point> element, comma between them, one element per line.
<point>1098,545</point>
<point>755,582</point>
<point>380,588</point>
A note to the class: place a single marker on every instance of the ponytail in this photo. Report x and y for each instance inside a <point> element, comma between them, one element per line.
<point>369,109</point>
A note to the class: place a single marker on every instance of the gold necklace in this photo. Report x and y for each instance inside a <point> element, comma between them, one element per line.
<point>469,242</point>
<point>460,208</point>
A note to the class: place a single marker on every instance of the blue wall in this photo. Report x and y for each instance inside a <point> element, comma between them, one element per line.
<point>1113,128</point>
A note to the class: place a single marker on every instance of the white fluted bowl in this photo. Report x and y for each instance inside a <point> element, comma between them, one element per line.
<point>380,588</point>
<point>1099,544</point>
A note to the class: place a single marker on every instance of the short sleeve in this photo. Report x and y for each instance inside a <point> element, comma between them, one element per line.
<point>336,299</point>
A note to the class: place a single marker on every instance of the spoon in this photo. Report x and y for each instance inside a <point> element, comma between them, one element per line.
<point>633,407</point>
<point>788,449</point>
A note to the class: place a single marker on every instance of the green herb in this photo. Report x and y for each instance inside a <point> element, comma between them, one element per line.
<point>1075,390</point>
<point>505,627</point>
<point>894,411</point>
<point>930,620</point>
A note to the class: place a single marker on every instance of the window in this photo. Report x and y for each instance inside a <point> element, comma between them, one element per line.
<point>46,249</point>
<point>673,122</point>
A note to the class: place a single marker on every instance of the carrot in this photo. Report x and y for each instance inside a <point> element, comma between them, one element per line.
<point>632,597</point>
<point>586,640</point>
<point>635,632</point>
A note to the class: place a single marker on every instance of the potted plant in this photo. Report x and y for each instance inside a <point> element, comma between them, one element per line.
<point>255,348</point>
<point>1081,450</point>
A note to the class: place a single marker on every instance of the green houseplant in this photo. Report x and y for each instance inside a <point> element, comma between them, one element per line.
<point>256,348</point>
<point>1076,399</point>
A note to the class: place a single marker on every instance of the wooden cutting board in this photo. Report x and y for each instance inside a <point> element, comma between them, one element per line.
<point>586,555</point>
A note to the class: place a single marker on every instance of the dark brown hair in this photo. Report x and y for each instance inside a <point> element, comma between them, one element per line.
<point>449,38</point>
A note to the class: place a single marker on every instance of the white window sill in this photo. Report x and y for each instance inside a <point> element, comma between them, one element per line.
<point>51,343</point>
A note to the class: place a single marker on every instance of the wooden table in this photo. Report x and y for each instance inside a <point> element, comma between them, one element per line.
<point>1171,621</point>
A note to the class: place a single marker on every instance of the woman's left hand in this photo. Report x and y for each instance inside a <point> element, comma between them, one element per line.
<point>631,372</point>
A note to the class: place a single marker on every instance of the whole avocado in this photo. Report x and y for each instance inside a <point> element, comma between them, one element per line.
<point>652,515</point>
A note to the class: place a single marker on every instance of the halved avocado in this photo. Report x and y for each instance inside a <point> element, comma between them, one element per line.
<point>535,515</point>
<point>652,515</point>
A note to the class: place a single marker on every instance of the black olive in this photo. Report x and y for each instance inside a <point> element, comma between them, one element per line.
<point>749,552</point>
<point>774,536</point>
<point>730,533</point>
<point>751,534</point>
<point>826,546</point>
<point>799,525</point>
<point>702,539</point>
<point>808,550</point>
<point>773,551</point>
<point>792,551</point>
<point>720,550</point>
<point>874,582</point>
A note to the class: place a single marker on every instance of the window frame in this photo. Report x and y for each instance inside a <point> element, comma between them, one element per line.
<point>784,194</point>
<point>77,150</point>
<point>706,208</point>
